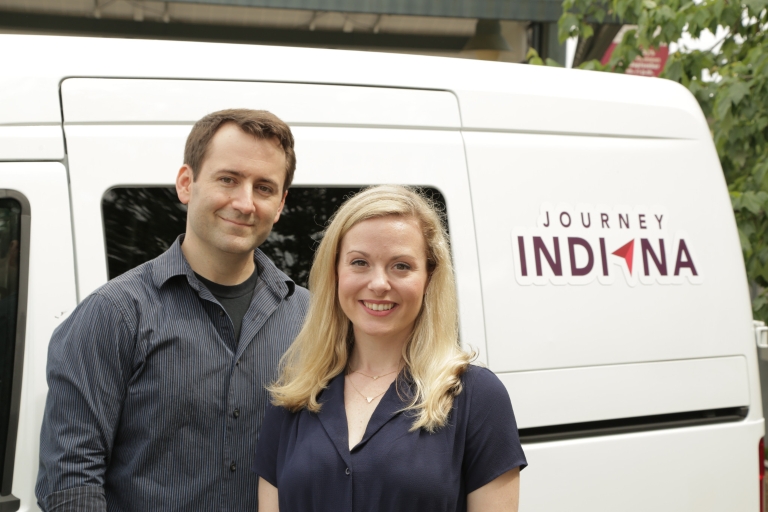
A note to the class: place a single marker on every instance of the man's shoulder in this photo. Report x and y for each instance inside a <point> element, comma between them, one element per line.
<point>131,291</point>
<point>302,296</point>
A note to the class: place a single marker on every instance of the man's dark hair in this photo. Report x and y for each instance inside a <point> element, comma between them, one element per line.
<point>259,123</point>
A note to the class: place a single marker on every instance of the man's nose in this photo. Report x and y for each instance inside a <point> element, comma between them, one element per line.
<point>379,283</point>
<point>242,200</point>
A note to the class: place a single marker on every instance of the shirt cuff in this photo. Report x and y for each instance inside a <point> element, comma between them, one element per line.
<point>89,498</point>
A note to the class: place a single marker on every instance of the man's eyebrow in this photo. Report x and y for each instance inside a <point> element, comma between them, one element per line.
<point>240,174</point>
<point>230,171</point>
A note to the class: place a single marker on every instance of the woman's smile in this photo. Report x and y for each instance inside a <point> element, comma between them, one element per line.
<point>378,308</point>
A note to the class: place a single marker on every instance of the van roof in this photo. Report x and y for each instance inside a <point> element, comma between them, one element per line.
<point>492,96</point>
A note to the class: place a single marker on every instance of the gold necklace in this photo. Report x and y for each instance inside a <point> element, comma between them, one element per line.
<point>374,377</point>
<point>369,398</point>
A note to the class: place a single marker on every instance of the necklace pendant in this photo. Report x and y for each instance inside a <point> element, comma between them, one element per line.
<point>369,398</point>
<point>376,377</point>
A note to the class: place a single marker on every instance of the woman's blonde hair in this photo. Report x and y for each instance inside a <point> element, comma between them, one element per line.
<point>434,360</point>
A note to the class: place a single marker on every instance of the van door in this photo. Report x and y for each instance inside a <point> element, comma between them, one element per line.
<point>37,291</point>
<point>617,315</point>
<point>131,133</point>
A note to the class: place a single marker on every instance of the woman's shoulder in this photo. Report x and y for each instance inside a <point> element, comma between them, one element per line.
<point>480,378</point>
<point>481,387</point>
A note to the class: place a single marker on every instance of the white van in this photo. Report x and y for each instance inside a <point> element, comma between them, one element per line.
<point>599,267</point>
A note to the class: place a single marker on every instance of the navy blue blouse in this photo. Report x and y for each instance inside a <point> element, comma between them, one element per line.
<point>307,457</point>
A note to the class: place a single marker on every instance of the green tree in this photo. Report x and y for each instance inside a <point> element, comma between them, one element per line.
<point>729,80</point>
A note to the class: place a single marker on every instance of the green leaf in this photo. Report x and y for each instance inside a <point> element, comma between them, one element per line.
<point>553,63</point>
<point>649,4</point>
<point>753,201</point>
<point>674,70</point>
<point>600,16</point>
<point>587,31</point>
<point>566,25</point>
<point>746,246</point>
<point>737,91</point>
<point>532,57</point>
<point>756,5</point>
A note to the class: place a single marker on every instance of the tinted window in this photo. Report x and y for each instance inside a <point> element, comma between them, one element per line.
<point>10,241</point>
<point>141,223</point>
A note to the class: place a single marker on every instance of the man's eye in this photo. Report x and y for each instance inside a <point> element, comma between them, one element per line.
<point>265,189</point>
<point>226,179</point>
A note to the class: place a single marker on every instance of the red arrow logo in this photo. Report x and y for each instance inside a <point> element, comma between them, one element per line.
<point>626,251</point>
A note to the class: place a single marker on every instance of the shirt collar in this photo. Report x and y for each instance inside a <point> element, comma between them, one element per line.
<point>333,415</point>
<point>172,263</point>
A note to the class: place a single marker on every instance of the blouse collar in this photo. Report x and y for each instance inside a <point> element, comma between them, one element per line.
<point>333,415</point>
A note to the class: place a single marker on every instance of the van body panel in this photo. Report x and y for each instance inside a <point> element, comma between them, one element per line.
<point>147,101</point>
<point>702,469</point>
<point>51,297</point>
<point>147,155</point>
<point>522,112</point>
<point>31,142</point>
<point>543,202</point>
<point>491,95</point>
<point>29,85</point>
<point>577,395</point>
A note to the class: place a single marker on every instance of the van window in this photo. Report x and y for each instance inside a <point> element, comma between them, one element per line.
<point>10,245</point>
<point>141,223</point>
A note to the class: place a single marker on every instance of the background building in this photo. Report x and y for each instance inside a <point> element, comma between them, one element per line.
<point>506,30</point>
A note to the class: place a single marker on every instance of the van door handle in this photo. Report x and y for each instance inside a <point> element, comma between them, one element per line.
<point>761,339</point>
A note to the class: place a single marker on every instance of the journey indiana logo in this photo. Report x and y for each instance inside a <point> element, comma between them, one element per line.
<point>578,245</point>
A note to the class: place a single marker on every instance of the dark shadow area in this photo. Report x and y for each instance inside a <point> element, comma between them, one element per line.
<point>141,223</point>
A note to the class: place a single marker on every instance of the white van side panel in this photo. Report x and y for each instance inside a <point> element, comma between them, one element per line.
<point>549,187</point>
<point>702,469</point>
<point>41,142</point>
<point>492,95</point>
<point>141,155</point>
<point>147,101</point>
<point>552,108</point>
<point>29,88</point>
<point>51,297</point>
<point>576,395</point>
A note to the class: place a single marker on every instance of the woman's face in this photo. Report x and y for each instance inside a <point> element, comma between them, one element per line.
<point>382,276</point>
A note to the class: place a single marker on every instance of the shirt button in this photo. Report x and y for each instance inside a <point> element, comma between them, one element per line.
<point>237,363</point>
<point>348,472</point>
<point>236,413</point>
<point>233,467</point>
<point>221,312</point>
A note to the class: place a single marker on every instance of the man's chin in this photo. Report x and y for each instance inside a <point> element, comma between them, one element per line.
<point>238,246</point>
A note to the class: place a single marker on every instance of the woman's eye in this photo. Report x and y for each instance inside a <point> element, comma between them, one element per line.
<point>402,266</point>
<point>357,263</point>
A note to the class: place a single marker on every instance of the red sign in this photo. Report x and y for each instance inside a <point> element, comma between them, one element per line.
<point>650,63</point>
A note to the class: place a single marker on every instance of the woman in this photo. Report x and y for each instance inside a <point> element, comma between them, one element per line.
<point>377,406</point>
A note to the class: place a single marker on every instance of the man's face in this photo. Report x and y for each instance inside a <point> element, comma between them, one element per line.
<point>237,195</point>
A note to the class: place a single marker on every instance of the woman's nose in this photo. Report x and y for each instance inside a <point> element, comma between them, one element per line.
<point>379,282</point>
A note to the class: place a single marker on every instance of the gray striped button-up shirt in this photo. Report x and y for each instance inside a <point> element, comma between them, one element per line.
<point>148,408</point>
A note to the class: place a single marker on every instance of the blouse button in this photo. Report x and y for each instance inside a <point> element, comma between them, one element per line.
<point>348,471</point>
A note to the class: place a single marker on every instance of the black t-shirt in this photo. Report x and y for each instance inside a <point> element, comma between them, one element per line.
<point>235,299</point>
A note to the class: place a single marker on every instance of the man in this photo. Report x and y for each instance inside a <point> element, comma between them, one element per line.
<point>156,380</point>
